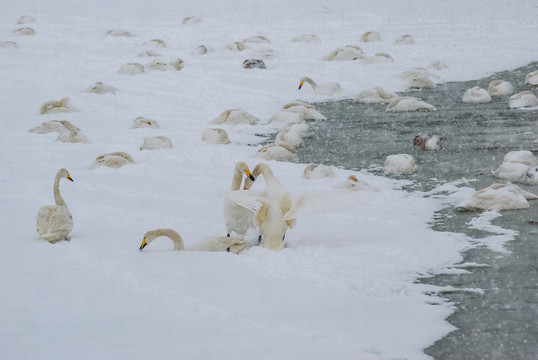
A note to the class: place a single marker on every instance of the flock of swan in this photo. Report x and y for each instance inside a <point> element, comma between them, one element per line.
<point>273,210</point>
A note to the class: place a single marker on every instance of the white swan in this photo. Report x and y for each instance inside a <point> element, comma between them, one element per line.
<point>113,160</point>
<point>100,88</point>
<point>54,222</point>
<point>131,69</point>
<point>292,136</point>
<point>237,218</point>
<point>354,184</point>
<point>217,243</point>
<point>142,122</point>
<point>405,39</point>
<point>500,88</point>
<point>532,79</point>
<point>321,89</point>
<point>376,96</point>
<point>400,163</point>
<point>515,164</point>
<point>523,99</point>
<point>308,112</point>
<point>499,197</point>
<point>236,117</point>
<point>216,136</point>
<point>57,106</point>
<point>418,78</point>
<point>155,143</point>
<point>346,53</point>
<point>318,171</point>
<point>278,152</point>
<point>530,177</point>
<point>370,36</point>
<point>476,95</point>
<point>408,103</point>
<point>306,38</point>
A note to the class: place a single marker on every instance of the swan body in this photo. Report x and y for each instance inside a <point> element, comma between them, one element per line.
<point>258,39</point>
<point>318,171</point>
<point>321,89</point>
<point>307,112</point>
<point>236,46</point>
<point>306,38</point>
<point>165,66</point>
<point>437,65</point>
<point>530,177</point>
<point>376,96</point>
<point>155,143</point>
<point>24,31</point>
<point>118,33</point>
<point>237,218</point>
<point>113,160</point>
<point>67,132</point>
<point>405,39</point>
<point>523,99</point>
<point>216,136</point>
<point>155,42</point>
<point>370,36</point>
<point>131,69</point>
<point>500,88</point>
<point>57,106</point>
<point>408,103</point>
<point>346,53</point>
<point>378,58</point>
<point>25,19</point>
<point>292,136</point>
<point>278,152</point>
<point>100,88</point>
<point>217,243</point>
<point>401,164</point>
<point>191,20</point>
<point>354,184</point>
<point>8,45</point>
<point>515,164</point>
<point>142,122</point>
<point>418,78</point>
<point>236,117</point>
<point>54,222</point>
<point>476,95</point>
<point>286,117</point>
<point>427,142</point>
<point>532,79</point>
<point>499,197</point>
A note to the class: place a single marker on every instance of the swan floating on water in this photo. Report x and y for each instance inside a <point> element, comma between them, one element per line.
<point>321,89</point>
<point>530,177</point>
<point>515,164</point>
<point>476,95</point>
<point>401,164</point>
<point>54,222</point>
<point>237,218</point>
<point>376,95</point>
<point>292,136</point>
<point>499,197</point>
<point>523,99</point>
<point>216,243</point>
<point>408,103</point>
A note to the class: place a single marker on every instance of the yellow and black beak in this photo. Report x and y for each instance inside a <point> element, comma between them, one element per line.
<point>69,176</point>
<point>250,175</point>
<point>300,85</point>
<point>144,243</point>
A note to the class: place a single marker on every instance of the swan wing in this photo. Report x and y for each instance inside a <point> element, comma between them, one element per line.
<point>326,201</point>
<point>248,199</point>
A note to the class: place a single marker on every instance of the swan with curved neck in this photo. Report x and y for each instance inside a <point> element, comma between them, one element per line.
<point>237,218</point>
<point>219,243</point>
<point>54,222</point>
<point>321,89</point>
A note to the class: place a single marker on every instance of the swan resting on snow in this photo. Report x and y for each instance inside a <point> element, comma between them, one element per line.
<point>499,197</point>
<point>236,117</point>
<point>155,143</point>
<point>218,243</point>
<point>57,106</point>
<point>216,136</point>
<point>237,218</point>
<point>318,171</point>
<point>113,160</point>
<point>54,222</point>
<point>321,89</point>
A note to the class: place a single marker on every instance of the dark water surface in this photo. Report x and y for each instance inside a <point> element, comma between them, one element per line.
<point>501,322</point>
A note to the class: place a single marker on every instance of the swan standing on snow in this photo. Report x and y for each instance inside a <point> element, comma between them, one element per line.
<point>321,89</point>
<point>54,222</point>
<point>237,218</point>
<point>217,243</point>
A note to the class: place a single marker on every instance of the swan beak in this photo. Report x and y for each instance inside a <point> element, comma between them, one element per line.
<point>250,175</point>
<point>300,85</point>
<point>144,243</point>
<point>69,177</point>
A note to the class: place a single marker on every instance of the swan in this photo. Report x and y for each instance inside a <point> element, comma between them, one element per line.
<point>405,39</point>
<point>25,19</point>
<point>515,164</point>
<point>346,53</point>
<point>100,88</point>
<point>113,160</point>
<point>427,142</point>
<point>418,78</point>
<point>321,89</point>
<point>354,184</point>
<point>317,171</point>
<point>54,222</point>
<point>476,95</point>
<point>217,243</point>
<point>236,117</point>
<point>530,177</point>
<point>216,136</point>
<point>237,218</point>
<point>292,136</point>
<point>532,79</point>
<point>278,152</point>
<point>164,66</point>
<point>375,96</point>
<point>235,46</point>
<point>523,99</point>
<point>24,31</point>
<point>191,20</point>
<point>8,45</point>
<point>142,122</point>
<point>308,112</point>
<point>118,33</point>
<point>254,64</point>
<point>57,106</point>
<point>155,42</point>
<point>131,69</point>
<point>378,58</point>
<point>306,38</point>
<point>155,143</point>
<point>437,65</point>
<point>370,36</point>
<point>408,103</point>
<point>500,88</point>
<point>287,117</point>
<point>400,163</point>
<point>499,197</point>
<point>256,39</point>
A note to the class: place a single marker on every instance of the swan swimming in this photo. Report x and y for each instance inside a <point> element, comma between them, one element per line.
<point>54,222</point>
<point>237,218</point>
<point>217,243</point>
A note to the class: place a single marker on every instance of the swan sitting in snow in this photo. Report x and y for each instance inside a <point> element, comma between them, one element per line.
<point>515,164</point>
<point>156,142</point>
<point>418,78</point>
<point>321,89</point>
<point>405,39</point>
<point>532,79</point>
<point>278,152</point>
<point>142,122</point>
<point>67,132</point>
<point>476,95</point>
<point>317,171</point>
<point>216,136</point>
<point>427,142</point>
<point>408,103</point>
<point>57,106</point>
<point>370,36</point>
<point>217,243</point>
<point>376,96</point>
<point>500,88</point>
<point>499,197</point>
<point>530,177</point>
<point>346,53</point>
<point>236,117</point>
<point>100,88</point>
<point>308,112</point>
<point>306,38</point>
<point>292,136</point>
<point>131,69</point>
<point>523,99</point>
<point>54,222</point>
<point>237,218</point>
<point>354,184</point>
<point>113,160</point>
<point>401,164</point>
<point>286,117</point>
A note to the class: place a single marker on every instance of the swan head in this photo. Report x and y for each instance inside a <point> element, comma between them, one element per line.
<point>64,173</point>
<point>301,84</point>
<point>531,175</point>
<point>148,238</point>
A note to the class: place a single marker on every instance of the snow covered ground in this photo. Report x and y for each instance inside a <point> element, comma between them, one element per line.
<point>342,289</point>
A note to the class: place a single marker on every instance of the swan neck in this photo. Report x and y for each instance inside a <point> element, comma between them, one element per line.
<point>237,178</point>
<point>311,82</point>
<point>57,196</point>
<point>172,235</point>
